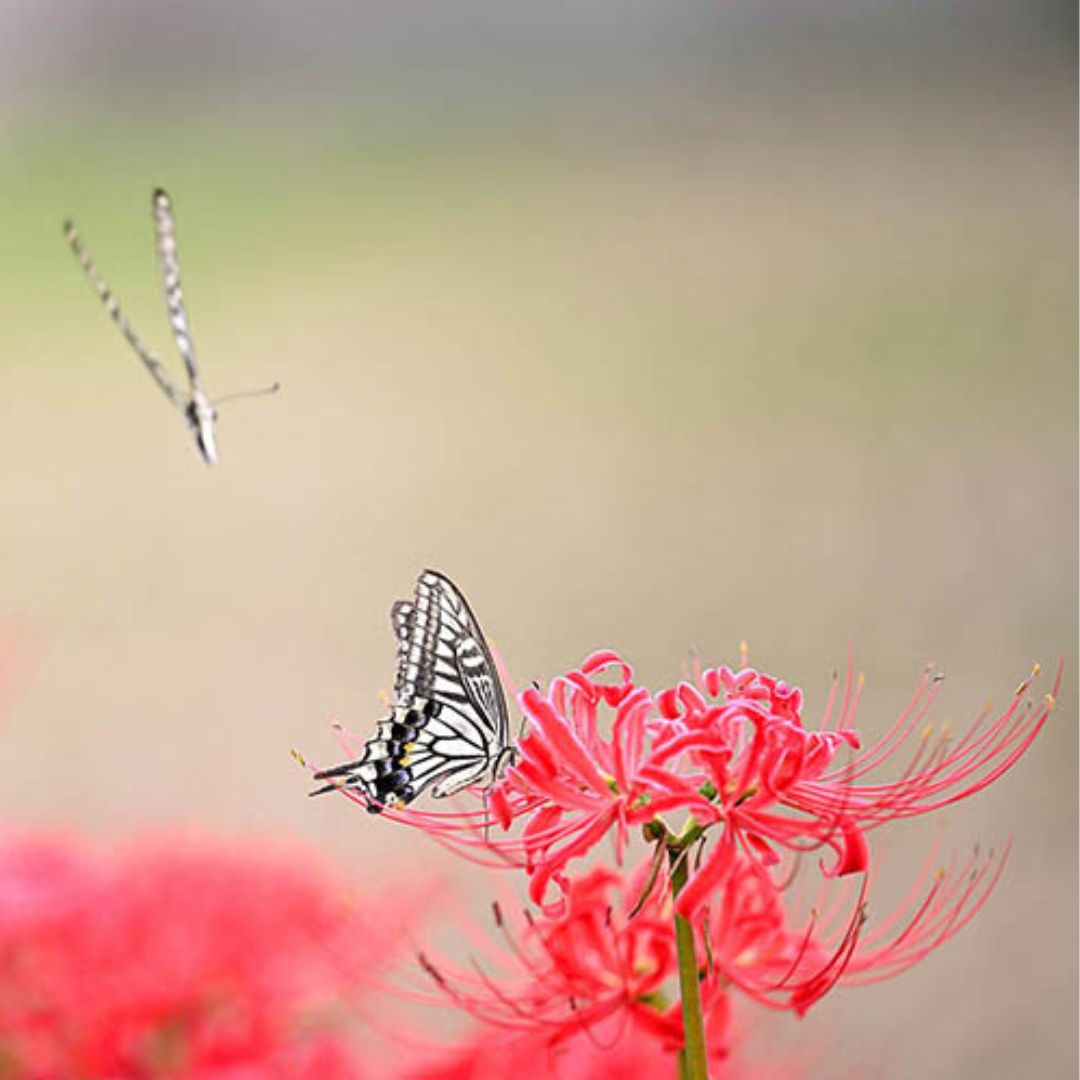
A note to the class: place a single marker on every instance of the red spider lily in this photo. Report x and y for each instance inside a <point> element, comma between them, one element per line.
<point>601,971</point>
<point>731,751</point>
<point>753,942</point>
<point>580,774</point>
<point>176,959</point>
<point>598,966</point>
<point>775,781</point>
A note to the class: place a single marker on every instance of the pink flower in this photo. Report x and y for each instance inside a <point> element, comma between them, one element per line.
<point>597,962</point>
<point>775,782</point>
<point>178,959</point>
<point>585,769</point>
<point>755,943</point>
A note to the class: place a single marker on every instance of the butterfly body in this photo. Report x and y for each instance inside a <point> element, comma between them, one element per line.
<point>449,728</point>
<point>201,416</point>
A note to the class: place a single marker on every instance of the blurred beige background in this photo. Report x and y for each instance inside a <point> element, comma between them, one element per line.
<point>656,327</point>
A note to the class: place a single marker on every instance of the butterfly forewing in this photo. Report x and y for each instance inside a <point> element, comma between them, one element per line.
<point>165,231</point>
<point>461,673</point>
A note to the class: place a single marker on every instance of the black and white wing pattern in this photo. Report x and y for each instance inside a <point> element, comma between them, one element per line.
<point>199,411</point>
<point>168,258</point>
<point>449,728</point>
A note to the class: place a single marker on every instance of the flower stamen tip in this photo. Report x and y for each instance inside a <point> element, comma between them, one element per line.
<point>431,969</point>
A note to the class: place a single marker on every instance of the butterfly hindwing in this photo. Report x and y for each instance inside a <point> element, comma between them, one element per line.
<point>401,620</point>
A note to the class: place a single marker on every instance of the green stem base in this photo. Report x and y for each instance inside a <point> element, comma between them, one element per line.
<point>693,1061</point>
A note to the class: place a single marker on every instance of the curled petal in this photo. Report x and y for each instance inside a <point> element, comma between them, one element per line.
<point>562,739</point>
<point>852,854</point>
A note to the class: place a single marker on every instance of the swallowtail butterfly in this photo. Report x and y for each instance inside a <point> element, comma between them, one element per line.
<point>199,411</point>
<point>449,728</point>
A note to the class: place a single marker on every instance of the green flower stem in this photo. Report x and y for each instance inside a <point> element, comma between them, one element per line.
<point>683,1074</point>
<point>692,1060</point>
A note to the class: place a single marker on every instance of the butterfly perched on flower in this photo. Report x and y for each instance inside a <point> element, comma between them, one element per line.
<point>198,409</point>
<point>449,728</point>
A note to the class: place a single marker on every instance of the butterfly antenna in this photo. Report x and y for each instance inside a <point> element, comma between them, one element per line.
<point>262,392</point>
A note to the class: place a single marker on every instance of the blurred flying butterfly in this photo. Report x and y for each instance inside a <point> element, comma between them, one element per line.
<point>449,728</point>
<point>198,409</point>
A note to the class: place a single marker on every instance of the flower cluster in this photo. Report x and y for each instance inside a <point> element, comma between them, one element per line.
<point>177,959</point>
<point>738,797</point>
<point>601,957</point>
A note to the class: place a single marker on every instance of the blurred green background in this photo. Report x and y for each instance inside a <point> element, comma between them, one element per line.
<point>655,326</point>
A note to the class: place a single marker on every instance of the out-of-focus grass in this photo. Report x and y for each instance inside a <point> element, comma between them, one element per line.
<point>865,293</point>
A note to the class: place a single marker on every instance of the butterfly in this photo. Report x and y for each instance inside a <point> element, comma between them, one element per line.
<point>449,728</point>
<point>198,409</point>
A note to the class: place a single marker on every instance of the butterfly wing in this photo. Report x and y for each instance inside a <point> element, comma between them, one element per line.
<point>449,728</point>
<point>449,662</point>
<point>165,230</point>
<point>112,305</point>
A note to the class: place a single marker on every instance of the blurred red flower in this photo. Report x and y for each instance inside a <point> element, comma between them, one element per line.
<point>602,968</point>
<point>607,1053</point>
<point>178,958</point>
<point>610,1051</point>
